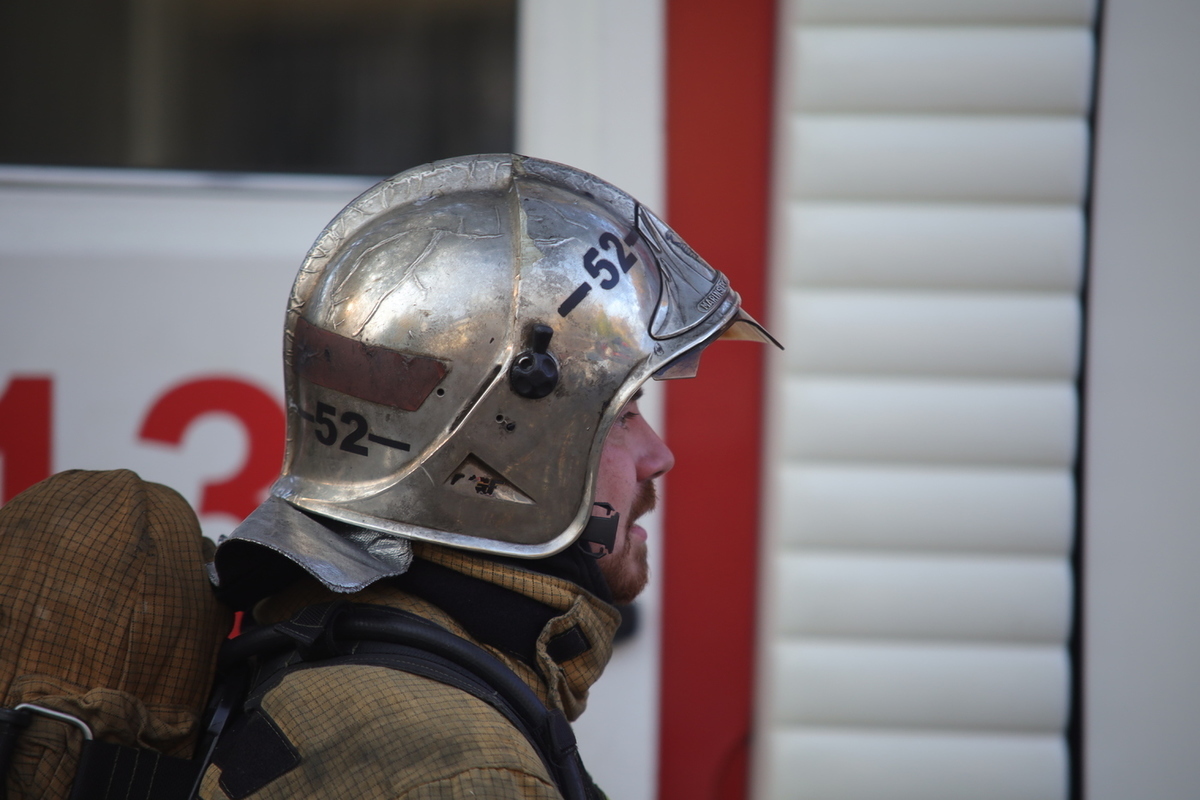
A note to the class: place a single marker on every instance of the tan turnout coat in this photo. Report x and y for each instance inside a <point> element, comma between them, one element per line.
<point>373,732</point>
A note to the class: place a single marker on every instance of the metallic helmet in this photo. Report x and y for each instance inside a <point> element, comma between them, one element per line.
<point>461,337</point>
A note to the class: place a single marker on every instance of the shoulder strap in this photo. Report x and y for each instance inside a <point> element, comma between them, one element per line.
<point>342,633</point>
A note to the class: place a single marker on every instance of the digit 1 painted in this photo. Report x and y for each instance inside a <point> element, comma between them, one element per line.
<point>261,418</point>
<point>25,433</point>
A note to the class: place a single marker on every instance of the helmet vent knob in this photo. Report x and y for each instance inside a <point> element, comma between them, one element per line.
<point>534,372</point>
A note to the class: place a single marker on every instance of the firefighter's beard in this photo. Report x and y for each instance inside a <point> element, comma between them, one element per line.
<point>627,569</point>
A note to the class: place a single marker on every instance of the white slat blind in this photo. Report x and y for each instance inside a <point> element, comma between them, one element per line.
<point>931,166</point>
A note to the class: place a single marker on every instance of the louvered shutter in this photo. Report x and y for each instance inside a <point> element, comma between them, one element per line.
<point>929,239</point>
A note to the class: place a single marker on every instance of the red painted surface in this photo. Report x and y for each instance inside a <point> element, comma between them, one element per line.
<point>261,418</point>
<point>720,65</point>
<point>26,433</point>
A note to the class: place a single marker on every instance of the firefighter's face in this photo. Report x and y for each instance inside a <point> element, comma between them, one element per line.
<point>632,458</point>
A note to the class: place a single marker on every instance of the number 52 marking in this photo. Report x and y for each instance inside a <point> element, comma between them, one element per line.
<point>327,430</point>
<point>603,267</point>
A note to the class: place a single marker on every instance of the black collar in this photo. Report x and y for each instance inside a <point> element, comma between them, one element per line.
<point>500,617</point>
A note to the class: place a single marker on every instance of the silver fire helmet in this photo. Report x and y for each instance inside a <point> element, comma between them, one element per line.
<point>461,337</point>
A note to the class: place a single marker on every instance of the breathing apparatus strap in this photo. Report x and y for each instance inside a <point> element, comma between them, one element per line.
<point>331,634</point>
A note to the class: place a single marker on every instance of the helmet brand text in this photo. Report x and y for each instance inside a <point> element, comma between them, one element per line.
<point>709,300</point>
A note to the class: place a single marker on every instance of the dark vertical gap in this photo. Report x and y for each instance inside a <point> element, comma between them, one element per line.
<point>1076,726</point>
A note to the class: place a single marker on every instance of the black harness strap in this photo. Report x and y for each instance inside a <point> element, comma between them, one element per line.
<point>253,752</point>
<point>12,724</point>
<point>109,771</point>
<point>115,772</point>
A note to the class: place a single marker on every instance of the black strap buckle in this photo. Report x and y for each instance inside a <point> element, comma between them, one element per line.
<point>599,536</point>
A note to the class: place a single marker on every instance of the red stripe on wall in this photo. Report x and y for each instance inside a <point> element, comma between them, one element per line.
<point>720,64</point>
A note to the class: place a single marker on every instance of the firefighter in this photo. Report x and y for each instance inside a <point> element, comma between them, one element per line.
<point>465,346</point>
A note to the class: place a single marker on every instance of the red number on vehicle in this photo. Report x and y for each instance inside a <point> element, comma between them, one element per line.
<point>261,418</point>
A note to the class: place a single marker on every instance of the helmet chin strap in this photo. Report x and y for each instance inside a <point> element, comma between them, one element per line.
<point>600,534</point>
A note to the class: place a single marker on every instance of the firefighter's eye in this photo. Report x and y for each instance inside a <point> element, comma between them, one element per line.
<point>629,413</point>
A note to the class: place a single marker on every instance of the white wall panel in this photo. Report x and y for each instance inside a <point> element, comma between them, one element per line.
<point>569,81</point>
<point>1015,70</point>
<point>923,686</point>
<point>122,286</point>
<point>965,422</point>
<point>976,246</point>
<point>878,157</point>
<point>1142,497</point>
<point>1040,12</point>
<point>254,213</point>
<point>830,764</point>
<point>925,597</point>
<point>902,508</point>
<point>985,334</point>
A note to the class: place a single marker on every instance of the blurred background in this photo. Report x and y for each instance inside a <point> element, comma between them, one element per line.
<point>943,546</point>
<point>359,87</point>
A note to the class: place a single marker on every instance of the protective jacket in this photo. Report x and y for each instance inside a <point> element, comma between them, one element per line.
<point>369,731</point>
